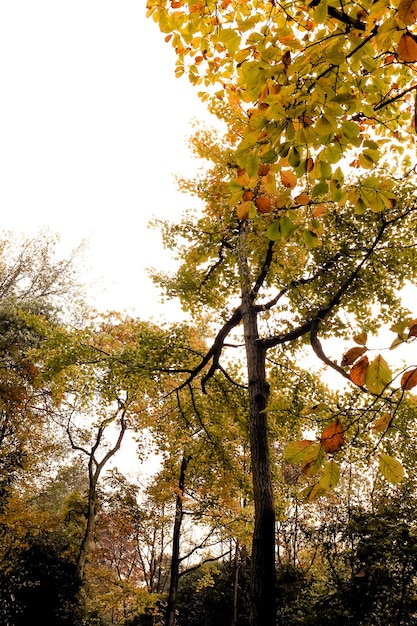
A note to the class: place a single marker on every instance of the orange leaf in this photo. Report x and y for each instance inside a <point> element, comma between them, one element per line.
<point>288,179</point>
<point>407,48</point>
<point>353,354</point>
<point>263,169</point>
<point>358,371</point>
<point>332,437</point>
<point>263,204</point>
<point>409,380</point>
<point>319,210</point>
<point>407,11</point>
<point>303,199</point>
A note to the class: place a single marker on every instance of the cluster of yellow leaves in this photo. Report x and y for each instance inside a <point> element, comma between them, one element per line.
<point>320,83</point>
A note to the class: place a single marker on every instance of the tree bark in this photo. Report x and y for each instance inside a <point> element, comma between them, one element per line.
<point>263,592</point>
<point>175,559</point>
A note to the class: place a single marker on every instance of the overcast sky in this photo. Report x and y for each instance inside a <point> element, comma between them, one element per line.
<point>93,126</point>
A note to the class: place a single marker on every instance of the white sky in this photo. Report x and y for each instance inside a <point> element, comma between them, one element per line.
<point>93,125</point>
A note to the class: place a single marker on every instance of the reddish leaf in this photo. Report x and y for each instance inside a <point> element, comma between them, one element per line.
<point>332,437</point>
<point>409,380</point>
<point>263,204</point>
<point>353,354</point>
<point>303,199</point>
<point>358,371</point>
<point>412,328</point>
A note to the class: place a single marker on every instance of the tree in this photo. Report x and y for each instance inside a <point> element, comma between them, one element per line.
<point>309,89</point>
<point>34,287</point>
<point>289,293</point>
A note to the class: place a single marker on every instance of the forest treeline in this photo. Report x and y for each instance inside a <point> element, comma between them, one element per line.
<point>83,544</point>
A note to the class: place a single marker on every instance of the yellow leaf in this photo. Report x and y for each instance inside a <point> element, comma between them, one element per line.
<point>242,211</point>
<point>407,11</point>
<point>407,48</point>
<point>391,468</point>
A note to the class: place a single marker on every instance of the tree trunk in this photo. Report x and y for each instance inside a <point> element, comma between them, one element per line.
<point>175,559</point>
<point>91,518</point>
<point>235,584</point>
<point>263,591</point>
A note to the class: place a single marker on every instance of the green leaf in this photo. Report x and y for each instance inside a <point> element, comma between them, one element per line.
<point>398,341</point>
<point>319,190</point>
<point>400,327</point>
<point>311,493</point>
<point>330,476</point>
<point>310,239</point>
<point>378,375</point>
<point>391,468</point>
<point>269,157</point>
<point>312,458</point>
<point>282,227</point>
<point>274,231</point>
<point>252,163</point>
<point>324,126</point>
<point>287,226</point>
<point>295,451</point>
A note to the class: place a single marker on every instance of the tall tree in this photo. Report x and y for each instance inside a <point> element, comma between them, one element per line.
<point>314,88</point>
<point>293,285</point>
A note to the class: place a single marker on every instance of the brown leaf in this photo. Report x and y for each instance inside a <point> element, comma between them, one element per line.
<point>382,423</point>
<point>358,371</point>
<point>302,199</point>
<point>407,11</point>
<point>361,338</point>
<point>412,328</point>
<point>263,169</point>
<point>263,204</point>
<point>286,59</point>
<point>407,48</point>
<point>353,354</point>
<point>409,379</point>
<point>332,437</point>
<point>288,179</point>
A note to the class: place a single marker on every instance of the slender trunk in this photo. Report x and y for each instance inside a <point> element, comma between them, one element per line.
<point>235,585</point>
<point>91,518</point>
<point>263,601</point>
<point>175,559</point>
<point>94,470</point>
